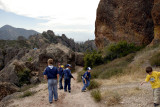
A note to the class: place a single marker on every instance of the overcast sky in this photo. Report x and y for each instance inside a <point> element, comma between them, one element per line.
<point>75,18</point>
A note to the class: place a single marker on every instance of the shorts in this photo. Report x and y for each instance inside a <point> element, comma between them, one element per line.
<point>156,95</point>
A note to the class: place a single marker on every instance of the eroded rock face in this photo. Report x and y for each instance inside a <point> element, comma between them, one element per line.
<point>128,20</point>
<point>156,19</point>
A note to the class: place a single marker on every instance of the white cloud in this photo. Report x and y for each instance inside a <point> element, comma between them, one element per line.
<point>57,12</point>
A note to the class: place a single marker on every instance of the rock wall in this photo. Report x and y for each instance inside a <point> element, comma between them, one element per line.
<point>156,19</point>
<point>128,20</point>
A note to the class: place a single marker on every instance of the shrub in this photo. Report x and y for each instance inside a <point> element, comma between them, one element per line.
<point>119,50</point>
<point>92,59</point>
<point>114,99</point>
<point>27,94</point>
<point>155,60</point>
<point>30,59</point>
<point>24,76</point>
<point>93,84</point>
<point>96,94</point>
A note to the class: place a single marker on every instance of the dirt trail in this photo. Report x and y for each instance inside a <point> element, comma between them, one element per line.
<point>40,98</point>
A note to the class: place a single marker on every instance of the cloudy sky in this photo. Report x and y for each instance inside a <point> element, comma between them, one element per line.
<point>75,18</point>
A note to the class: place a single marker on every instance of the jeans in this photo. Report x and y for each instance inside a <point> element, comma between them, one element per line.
<point>52,89</point>
<point>85,85</point>
<point>67,82</point>
<point>60,82</point>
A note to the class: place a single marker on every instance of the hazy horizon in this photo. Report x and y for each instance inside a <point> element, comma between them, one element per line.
<point>75,19</point>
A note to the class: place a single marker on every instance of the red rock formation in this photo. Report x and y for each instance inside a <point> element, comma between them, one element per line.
<point>119,20</point>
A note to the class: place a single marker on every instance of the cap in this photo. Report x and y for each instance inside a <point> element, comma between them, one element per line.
<point>68,65</point>
<point>62,66</point>
<point>89,68</point>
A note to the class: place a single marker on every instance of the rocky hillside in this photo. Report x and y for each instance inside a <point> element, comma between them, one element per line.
<point>8,32</point>
<point>133,21</point>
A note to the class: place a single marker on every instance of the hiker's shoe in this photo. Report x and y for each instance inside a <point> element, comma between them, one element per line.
<point>60,88</point>
<point>56,100</point>
<point>156,105</point>
<point>50,102</point>
<point>65,90</point>
<point>69,91</point>
<point>83,90</point>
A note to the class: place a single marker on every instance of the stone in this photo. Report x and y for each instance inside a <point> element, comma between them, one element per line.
<point>124,20</point>
<point>34,80</point>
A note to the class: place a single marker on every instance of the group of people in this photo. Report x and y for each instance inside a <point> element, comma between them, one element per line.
<point>54,75</point>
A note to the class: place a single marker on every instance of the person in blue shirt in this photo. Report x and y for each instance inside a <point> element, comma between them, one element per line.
<point>86,79</point>
<point>67,78</point>
<point>51,74</point>
<point>60,71</point>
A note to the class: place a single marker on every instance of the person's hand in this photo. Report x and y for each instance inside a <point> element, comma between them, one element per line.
<point>74,78</point>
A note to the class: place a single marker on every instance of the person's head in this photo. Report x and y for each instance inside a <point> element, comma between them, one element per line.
<point>50,61</point>
<point>89,69</point>
<point>149,70</point>
<point>68,66</point>
<point>62,66</point>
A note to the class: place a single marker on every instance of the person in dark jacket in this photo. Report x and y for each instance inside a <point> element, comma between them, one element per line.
<point>86,79</point>
<point>60,71</point>
<point>51,74</point>
<point>67,78</point>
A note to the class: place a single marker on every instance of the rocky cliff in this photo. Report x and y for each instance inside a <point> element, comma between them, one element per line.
<point>129,20</point>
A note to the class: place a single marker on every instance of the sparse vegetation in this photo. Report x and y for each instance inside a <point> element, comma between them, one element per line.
<point>114,99</point>
<point>79,79</point>
<point>27,94</point>
<point>155,60</point>
<point>96,94</point>
<point>93,84</point>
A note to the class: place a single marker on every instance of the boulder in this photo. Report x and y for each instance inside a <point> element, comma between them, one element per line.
<point>79,60</point>
<point>34,80</point>
<point>119,20</point>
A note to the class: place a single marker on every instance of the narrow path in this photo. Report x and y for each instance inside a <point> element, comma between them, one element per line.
<point>40,99</point>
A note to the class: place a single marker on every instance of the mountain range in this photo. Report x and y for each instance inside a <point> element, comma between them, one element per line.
<point>8,32</point>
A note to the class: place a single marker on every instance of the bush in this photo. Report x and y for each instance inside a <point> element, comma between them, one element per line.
<point>155,60</point>
<point>30,59</point>
<point>24,77</point>
<point>92,59</point>
<point>114,99</point>
<point>27,94</point>
<point>93,84</point>
<point>96,94</point>
<point>119,50</point>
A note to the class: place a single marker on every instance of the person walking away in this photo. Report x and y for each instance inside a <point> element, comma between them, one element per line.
<point>60,71</point>
<point>67,78</point>
<point>153,77</point>
<point>86,79</point>
<point>51,74</point>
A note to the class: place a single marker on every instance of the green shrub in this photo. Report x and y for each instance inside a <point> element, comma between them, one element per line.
<point>119,50</point>
<point>93,84</point>
<point>110,72</point>
<point>92,59</point>
<point>155,60</point>
<point>96,94</point>
<point>24,77</point>
<point>27,94</point>
<point>30,59</point>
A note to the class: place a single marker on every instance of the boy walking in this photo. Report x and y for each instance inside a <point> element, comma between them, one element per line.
<point>86,79</point>
<point>153,77</point>
<point>60,71</point>
<point>51,74</point>
<point>67,78</point>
